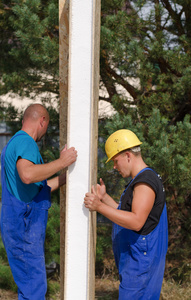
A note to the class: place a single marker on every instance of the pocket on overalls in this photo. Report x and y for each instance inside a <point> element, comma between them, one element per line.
<point>35,231</point>
<point>13,229</point>
<point>136,267</point>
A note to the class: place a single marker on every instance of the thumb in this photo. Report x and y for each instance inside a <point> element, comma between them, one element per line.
<point>101,182</point>
<point>65,148</point>
<point>94,190</point>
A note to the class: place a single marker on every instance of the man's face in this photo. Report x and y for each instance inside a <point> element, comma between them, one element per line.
<point>121,164</point>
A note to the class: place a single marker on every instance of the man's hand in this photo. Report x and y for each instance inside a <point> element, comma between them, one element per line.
<point>68,156</point>
<point>91,200</point>
<point>97,197</point>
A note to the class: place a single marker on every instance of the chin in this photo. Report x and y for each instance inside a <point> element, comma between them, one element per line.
<point>124,175</point>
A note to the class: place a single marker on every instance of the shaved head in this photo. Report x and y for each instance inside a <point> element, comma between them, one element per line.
<point>34,112</point>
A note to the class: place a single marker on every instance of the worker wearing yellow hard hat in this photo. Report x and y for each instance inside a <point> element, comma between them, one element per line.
<point>140,230</point>
<point>119,141</point>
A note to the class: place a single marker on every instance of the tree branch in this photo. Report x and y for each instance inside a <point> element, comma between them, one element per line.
<point>120,80</point>
<point>175,17</point>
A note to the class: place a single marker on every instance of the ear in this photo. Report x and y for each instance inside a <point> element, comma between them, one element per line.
<point>42,121</point>
<point>128,155</point>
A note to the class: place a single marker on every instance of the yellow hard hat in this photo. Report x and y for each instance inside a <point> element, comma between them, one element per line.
<point>120,140</point>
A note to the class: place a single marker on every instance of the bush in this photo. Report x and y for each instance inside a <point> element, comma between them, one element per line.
<point>52,243</point>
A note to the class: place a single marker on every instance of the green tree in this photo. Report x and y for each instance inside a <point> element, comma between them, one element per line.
<point>29,46</point>
<point>146,50</point>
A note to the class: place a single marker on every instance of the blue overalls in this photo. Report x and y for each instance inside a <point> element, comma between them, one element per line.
<point>140,259</point>
<point>23,229</point>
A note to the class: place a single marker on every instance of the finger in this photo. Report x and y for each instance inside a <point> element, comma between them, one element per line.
<point>101,181</point>
<point>87,195</point>
<point>94,190</point>
<point>72,149</point>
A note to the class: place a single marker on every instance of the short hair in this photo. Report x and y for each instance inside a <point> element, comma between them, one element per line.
<point>135,150</point>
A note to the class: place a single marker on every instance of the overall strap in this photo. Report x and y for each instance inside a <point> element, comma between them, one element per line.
<point>13,137</point>
<point>147,168</point>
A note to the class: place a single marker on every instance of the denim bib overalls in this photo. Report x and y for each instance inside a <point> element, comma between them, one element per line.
<point>140,259</point>
<point>23,229</point>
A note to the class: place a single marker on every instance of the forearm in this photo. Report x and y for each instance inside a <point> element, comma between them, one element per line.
<point>142,203</point>
<point>125,219</point>
<point>57,182</point>
<point>106,199</point>
<point>105,205</point>
<point>31,173</point>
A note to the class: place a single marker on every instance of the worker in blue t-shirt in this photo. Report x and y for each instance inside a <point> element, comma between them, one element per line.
<point>140,229</point>
<point>26,200</point>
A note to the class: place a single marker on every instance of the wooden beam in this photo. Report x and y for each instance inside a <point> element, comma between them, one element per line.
<point>94,141</point>
<point>63,86</point>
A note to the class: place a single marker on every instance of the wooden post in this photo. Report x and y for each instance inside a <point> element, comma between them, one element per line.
<point>94,141</point>
<point>78,226</point>
<point>63,86</point>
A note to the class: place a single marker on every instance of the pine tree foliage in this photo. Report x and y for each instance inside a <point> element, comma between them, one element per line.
<point>29,46</point>
<point>144,61</point>
<point>145,50</point>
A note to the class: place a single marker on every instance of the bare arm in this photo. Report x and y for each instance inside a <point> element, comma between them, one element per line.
<point>57,181</point>
<point>31,173</point>
<point>143,201</point>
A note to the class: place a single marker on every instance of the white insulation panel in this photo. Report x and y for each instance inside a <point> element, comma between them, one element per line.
<point>79,136</point>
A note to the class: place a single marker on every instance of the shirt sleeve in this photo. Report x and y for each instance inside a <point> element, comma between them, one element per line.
<point>27,149</point>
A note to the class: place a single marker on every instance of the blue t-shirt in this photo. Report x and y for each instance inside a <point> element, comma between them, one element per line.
<point>22,146</point>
